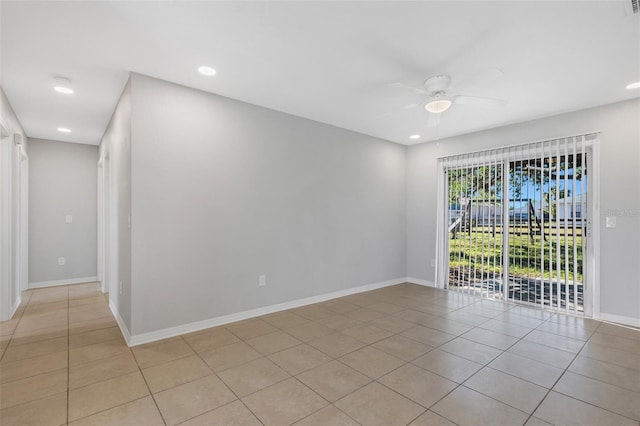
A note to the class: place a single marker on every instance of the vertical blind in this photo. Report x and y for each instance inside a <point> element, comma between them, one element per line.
<point>515,223</point>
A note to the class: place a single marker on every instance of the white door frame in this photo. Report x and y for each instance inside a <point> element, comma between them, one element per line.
<point>104,223</point>
<point>591,297</point>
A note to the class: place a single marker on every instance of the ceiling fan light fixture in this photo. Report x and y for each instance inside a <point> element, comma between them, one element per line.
<point>437,106</point>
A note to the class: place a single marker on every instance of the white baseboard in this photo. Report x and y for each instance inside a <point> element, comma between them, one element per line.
<point>421,282</point>
<point>121,324</point>
<point>152,336</point>
<point>63,282</point>
<point>634,322</point>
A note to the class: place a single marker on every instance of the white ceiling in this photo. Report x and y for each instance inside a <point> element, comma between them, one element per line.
<point>327,61</point>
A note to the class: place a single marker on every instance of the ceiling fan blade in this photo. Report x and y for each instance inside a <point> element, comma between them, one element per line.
<point>411,88</point>
<point>479,101</point>
<point>433,120</point>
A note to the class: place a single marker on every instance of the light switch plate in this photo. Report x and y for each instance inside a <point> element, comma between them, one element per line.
<point>69,219</point>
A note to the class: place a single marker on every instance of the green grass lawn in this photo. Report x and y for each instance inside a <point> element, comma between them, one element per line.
<point>482,252</point>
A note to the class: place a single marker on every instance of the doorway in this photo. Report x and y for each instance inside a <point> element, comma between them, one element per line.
<point>517,222</point>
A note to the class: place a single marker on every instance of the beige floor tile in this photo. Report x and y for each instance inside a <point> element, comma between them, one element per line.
<point>40,335</point>
<point>616,342</point>
<point>483,311</point>
<point>253,376</point>
<point>101,396</point>
<point>339,322</point>
<point>333,380</point>
<point>337,344</point>
<point>402,347</point>
<point>525,396</point>
<point>10,371</point>
<point>466,317</point>
<point>509,329</point>
<point>96,336</point>
<point>329,415</point>
<point>527,369</point>
<point>7,328</point>
<point>603,395</point>
<point>309,331</point>
<point>490,338</point>
<point>312,312</point>
<point>448,326</point>
<point>578,333</point>
<point>49,411</point>
<point>431,419</point>
<point>268,407</point>
<point>35,310</point>
<point>414,316</point>
<point>448,365</point>
<point>205,341</point>
<point>364,314</point>
<point>626,378</point>
<point>477,352</point>
<point>573,321</point>
<point>611,355</point>
<point>418,385</point>
<point>299,358</point>
<point>142,411</point>
<point>32,388</point>
<point>339,306</point>
<point>467,407</point>
<point>616,330</point>
<point>372,362</point>
<point>392,324</point>
<point>102,369</point>
<point>90,325</point>
<point>534,421</point>
<point>375,404</point>
<point>386,308</point>
<point>36,349</point>
<point>53,294</point>
<point>88,312</point>
<point>193,399</point>
<point>233,414</point>
<point>87,300</point>
<point>229,356</point>
<point>542,353</point>
<point>555,341</point>
<point>367,333</point>
<point>84,290</point>
<point>558,409</point>
<point>428,336</point>
<point>174,373</point>
<point>251,328</point>
<point>284,319</point>
<point>98,351</point>
<point>273,342</point>
<point>158,353</point>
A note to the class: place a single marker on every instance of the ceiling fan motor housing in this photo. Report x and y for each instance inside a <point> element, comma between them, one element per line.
<point>438,83</point>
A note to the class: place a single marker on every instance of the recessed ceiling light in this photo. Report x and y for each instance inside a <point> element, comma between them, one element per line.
<point>438,105</point>
<point>208,71</point>
<point>62,85</point>
<point>414,137</point>
<point>64,130</point>
<point>634,85</point>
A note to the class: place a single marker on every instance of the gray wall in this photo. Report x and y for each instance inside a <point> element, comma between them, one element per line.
<point>115,151</point>
<point>223,191</point>
<point>62,180</point>
<point>619,180</point>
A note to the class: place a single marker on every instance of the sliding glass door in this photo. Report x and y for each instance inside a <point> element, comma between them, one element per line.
<point>517,223</point>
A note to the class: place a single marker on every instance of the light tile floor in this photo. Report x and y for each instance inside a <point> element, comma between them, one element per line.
<point>396,356</point>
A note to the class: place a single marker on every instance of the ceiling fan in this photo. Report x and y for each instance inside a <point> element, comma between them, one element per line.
<point>440,95</point>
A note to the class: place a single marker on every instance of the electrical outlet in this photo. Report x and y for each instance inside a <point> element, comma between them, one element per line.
<point>120,287</point>
<point>69,219</point>
<point>262,280</point>
<point>61,261</point>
